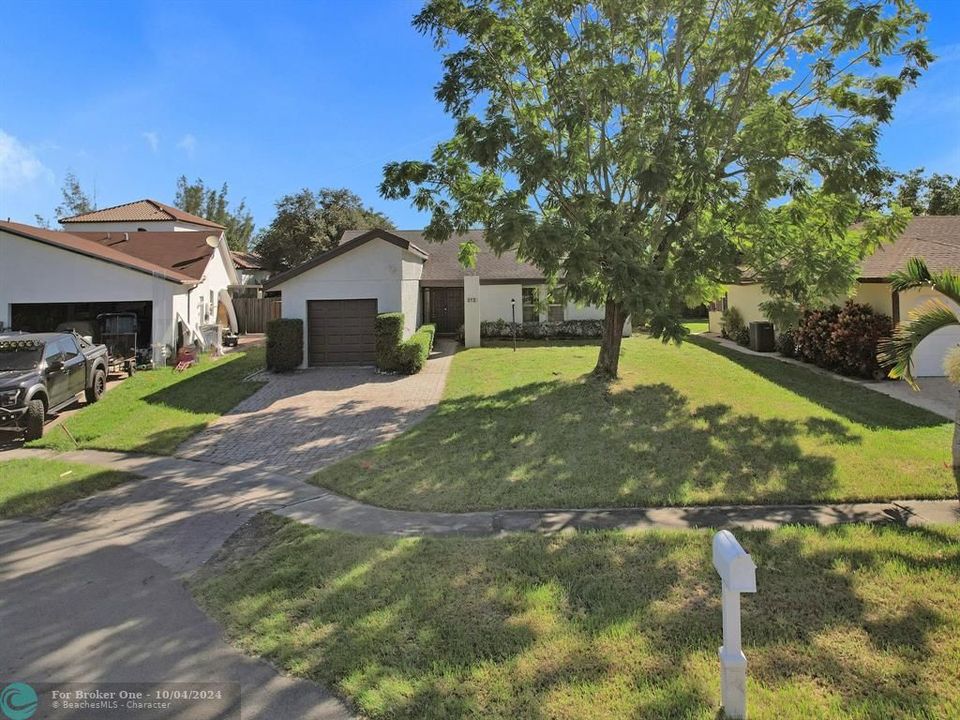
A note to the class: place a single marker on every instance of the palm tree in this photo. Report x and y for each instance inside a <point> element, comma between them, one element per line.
<point>897,351</point>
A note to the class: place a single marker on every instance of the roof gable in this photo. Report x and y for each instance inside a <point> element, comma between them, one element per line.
<point>145,210</point>
<point>443,266</point>
<point>346,246</point>
<point>935,238</point>
<point>90,248</point>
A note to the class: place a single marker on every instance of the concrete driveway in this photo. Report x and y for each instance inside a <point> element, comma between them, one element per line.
<point>97,592</point>
<point>302,421</point>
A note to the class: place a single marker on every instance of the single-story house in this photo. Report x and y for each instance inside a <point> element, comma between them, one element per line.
<point>250,268</point>
<point>168,266</point>
<point>936,239</point>
<point>339,293</point>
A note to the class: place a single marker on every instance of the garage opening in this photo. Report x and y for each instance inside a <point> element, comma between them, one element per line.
<point>48,317</point>
<point>341,332</point>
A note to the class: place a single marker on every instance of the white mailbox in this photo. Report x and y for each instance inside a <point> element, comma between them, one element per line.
<point>738,574</point>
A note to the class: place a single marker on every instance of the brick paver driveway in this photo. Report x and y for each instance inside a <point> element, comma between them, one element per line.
<point>301,422</point>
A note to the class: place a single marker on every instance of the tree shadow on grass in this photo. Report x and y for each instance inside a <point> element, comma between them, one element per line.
<point>858,404</point>
<point>574,444</point>
<point>43,503</point>
<point>591,625</point>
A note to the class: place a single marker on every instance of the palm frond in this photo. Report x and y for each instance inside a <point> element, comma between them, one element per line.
<point>913,276</point>
<point>948,283</point>
<point>897,351</point>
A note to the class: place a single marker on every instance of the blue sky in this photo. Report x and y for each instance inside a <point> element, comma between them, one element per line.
<point>272,97</point>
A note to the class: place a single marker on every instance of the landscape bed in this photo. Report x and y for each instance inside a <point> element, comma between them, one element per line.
<point>848,622</point>
<point>690,424</point>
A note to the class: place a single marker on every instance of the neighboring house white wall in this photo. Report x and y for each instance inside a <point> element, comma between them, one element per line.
<point>929,356</point>
<point>132,226</point>
<point>204,297</point>
<point>70,277</point>
<point>372,270</point>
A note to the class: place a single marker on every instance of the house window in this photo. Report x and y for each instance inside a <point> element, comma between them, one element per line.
<point>531,313</point>
<point>555,305</point>
<point>719,305</point>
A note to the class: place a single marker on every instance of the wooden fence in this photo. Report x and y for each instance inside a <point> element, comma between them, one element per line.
<point>254,313</point>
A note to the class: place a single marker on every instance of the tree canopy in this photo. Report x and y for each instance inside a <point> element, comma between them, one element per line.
<point>309,223</point>
<point>73,201</point>
<point>212,204</point>
<point>935,194</point>
<point>634,149</point>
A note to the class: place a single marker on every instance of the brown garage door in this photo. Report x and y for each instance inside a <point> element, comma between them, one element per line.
<point>340,332</point>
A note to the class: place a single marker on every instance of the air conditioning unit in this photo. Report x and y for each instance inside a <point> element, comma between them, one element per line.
<point>762,338</point>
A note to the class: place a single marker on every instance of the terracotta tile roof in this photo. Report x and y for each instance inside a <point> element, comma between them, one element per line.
<point>85,246</point>
<point>140,211</point>
<point>936,239</point>
<point>184,252</point>
<point>247,261</point>
<point>443,264</point>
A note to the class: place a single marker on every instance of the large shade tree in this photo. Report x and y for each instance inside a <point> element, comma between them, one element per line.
<point>212,203</point>
<point>897,352</point>
<point>627,146</point>
<point>309,223</point>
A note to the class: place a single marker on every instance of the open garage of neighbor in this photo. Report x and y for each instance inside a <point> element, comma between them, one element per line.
<point>341,332</point>
<point>80,316</point>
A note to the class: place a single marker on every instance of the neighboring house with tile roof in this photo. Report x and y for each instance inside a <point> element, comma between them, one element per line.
<point>175,279</point>
<point>936,239</point>
<point>339,293</point>
<point>250,268</point>
<point>152,215</point>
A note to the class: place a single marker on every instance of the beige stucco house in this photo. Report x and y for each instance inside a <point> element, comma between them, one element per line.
<point>339,293</point>
<point>935,239</point>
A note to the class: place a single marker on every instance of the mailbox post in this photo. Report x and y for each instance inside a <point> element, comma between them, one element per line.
<point>738,574</point>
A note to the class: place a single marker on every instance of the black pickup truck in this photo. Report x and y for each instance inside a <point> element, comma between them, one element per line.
<point>44,372</point>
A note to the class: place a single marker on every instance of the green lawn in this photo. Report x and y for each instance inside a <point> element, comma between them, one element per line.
<point>153,412</point>
<point>851,622</point>
<point>35,487</point>
<point>692,424</point>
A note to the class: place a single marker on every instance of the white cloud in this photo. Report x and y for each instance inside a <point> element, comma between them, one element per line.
<point>19,166</point>
<point>188,143</point>
<point>152,138</point>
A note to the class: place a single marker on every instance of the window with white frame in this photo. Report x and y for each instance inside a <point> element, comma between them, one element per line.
<point>531,311</point>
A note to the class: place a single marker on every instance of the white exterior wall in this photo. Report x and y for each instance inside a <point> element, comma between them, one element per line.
<point>929,356</point>
<point>410,295</point>
<point>495,302</point>
<point>217,276</point>
<point>70,277</point>
<point>372,270</point>
<point>150,226</point>
<point>572,311</point>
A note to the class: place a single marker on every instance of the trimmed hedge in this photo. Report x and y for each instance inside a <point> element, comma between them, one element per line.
<point>388,331</point>
<point>284,344</point>
<point>412,355</point>
<point>501,329</point>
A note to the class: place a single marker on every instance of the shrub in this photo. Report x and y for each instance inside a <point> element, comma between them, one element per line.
<point>413,354</point>
<point>785,344</point>
<point>542,330</point>
<point>732,325</point>
<point>843,339</point>
<point>853,341</point>
<point>742,336</point>
<point>284,344</point>
<point>812,336</point>
<point>388,332</point>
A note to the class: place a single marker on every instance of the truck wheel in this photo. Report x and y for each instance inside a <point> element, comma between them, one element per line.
<point>97,386</point>
<point>34,416</point>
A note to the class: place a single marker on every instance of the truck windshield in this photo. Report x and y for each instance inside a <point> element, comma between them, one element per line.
<point>20,359</point>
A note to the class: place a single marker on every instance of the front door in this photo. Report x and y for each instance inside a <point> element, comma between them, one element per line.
<point>446,309</point>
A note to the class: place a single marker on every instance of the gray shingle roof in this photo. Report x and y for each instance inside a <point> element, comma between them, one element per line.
<point>443,265</point>
<point>936,239</point>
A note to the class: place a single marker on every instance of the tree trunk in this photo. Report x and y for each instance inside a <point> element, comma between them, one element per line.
<point>614,316</point>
